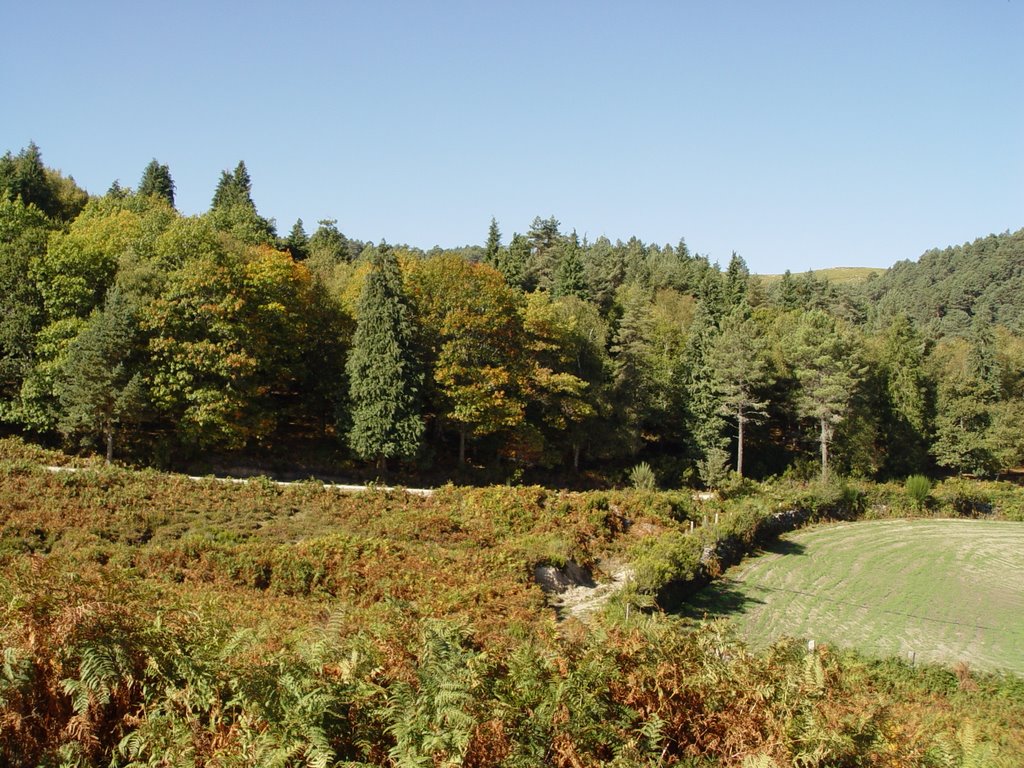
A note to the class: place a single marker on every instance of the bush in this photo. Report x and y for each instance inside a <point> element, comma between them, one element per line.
<point>642,477</point>
<point>918,489</point>
<point>672,556</point>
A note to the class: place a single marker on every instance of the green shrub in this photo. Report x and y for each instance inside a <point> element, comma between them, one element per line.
<point>673,556</point>
<point>642,477</point>
<point>918,488</point>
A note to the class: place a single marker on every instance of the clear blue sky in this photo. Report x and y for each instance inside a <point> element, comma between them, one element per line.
<point>800,134</point>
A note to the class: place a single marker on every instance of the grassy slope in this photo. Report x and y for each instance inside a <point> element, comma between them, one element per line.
<point>938,588</point>
<point>838,275</point>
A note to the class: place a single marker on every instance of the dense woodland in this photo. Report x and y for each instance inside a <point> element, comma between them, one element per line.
<point>157,338</point>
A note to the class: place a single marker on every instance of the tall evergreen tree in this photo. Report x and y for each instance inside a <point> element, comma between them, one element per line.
<point>513,260</point>
<point>493,247</point>
<point>909,398</point>
<point>156,180</point>
<point>570,279</point>
<point>297,242</point>
<point>233,210</point>
<point>825,362</point>
<point>737,278</point>
<point>704,412</point>
<point>99,387</point>
<point>741,371</point>
<point>234,188</point>
<point>385,380</point>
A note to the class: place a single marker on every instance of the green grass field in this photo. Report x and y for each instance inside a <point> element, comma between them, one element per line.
<point>945,590</point>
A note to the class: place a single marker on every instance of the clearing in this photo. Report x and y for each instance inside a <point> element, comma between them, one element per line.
<point>943,591</point>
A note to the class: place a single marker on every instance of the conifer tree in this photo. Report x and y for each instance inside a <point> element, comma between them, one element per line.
<point>704,415</point>
<point>100,386</point>
<point>493,246</point>
<point>740,365</point>
<point>297,242</point>
<point>825,363</point>
<point>570,279</point>
<point>512,263</point>
<point>385,380</point>
<point>909,398</point>
<point>156,180</point>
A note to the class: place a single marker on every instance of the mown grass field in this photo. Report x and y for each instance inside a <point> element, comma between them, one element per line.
<point>948,591</point>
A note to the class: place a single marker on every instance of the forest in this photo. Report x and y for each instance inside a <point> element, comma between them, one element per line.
<point>164,340</point>
<point>149,618</point>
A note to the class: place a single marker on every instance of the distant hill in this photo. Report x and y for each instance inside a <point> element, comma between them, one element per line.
<point>837,275</point>
<point>945,289</point>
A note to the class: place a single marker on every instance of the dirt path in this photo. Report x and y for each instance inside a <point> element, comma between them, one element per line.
<point>340,487</point>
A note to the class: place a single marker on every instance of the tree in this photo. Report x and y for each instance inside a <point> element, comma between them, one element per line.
<point>560,403</point>
<point>909,398</point>
<point>385,380</point>
<point>544,238</point>
<point>741,371</point>
<point>737,280</point>
<point>98,387</point>
<point>328,246</point>
<point>512,260</point>
<point>493,247</point>
<point>23,235</point>
<point>156,180</point>
<point>234,188</point>
<point>569,278</point>
<point>233,210</point>
<point>632,364</point>
<point>825,363</point>
<point>703,408</point>
<point>471,327</point>
<point>297,242</point>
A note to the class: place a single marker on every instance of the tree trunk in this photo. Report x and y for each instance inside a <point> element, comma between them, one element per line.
<point>741,420</point>
<point>576,457</point>
<point>826,436</point>
<point>462,446</point>
<point>382,468</point>
<point>110,444</point>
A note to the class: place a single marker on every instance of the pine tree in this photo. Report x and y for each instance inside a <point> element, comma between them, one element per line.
<point>737,279</point>
<point>156,180</point>
<point>493,246</point>
<point>703,408</point>
<point>232,209</point>
<point>297,242</point>
<point>825,363</point>
<point>740,364</point>
<point>233,188</point>
<point>99,386</point>
<point>385,380</point>
<point>908,396</point>
<point>570,279</point>
<point>512,262</point>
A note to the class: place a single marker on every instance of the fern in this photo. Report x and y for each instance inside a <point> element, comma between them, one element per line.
<point>431,722</point>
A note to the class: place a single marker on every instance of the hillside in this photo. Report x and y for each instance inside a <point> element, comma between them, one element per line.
<point>946,289</point>
<point>151,619</point>
<point>836,275</point>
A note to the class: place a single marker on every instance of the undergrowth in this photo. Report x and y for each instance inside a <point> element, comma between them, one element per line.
<point>147,619</point>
